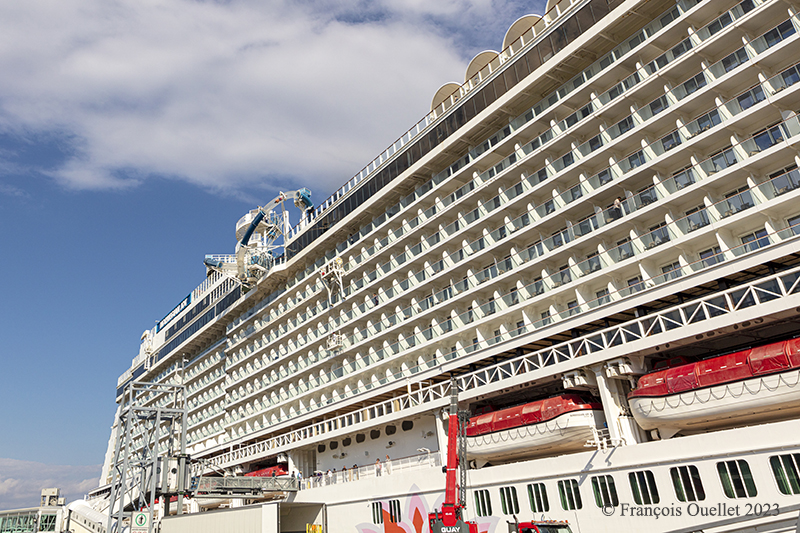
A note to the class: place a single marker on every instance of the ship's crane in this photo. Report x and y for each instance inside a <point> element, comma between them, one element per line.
<point>268,222</point>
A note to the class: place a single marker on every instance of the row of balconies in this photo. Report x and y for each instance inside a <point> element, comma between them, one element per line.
<point>666,143</point>
<point>204,365</point>
<point>646,329</point>
<point>207,383</point>
<point>211,411</point>
<point>569,121</point>
<point>207,396</point>
<point>685,224</point>
<point>651,241</point>
<point>594,70</point>
<point>788,181</point>
<point>760,240</point>
<point>737,203</point>
<point>257,410</point>
<point>627,250</point>
<point>757,292</point>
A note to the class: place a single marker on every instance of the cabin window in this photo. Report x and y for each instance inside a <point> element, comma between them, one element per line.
<point>671,271</point>
<point>508,499</point>
<point>687,483</point>
<point>321,448</point>
<point>360,437</point>
<point>635,284</point>
<point>334,444</point>
<point>483,502</point>
<point>537,494</point>
<point>375,434</point>
<point>407,425</point>
<point>47,522</point>
<point>794,225</point>
<point>753,241</point>
<point>572,308</point>
<point>712,256</point>
<point>347,441</point>
<point>737,481</point>
<point>602,297</point>
<point>785,469</point>
<point>391,430</point>
<point>377,513</point>
<point>394,511</point>
<point>570,495</point>
<point>643,487</point>
<point>605,492</point>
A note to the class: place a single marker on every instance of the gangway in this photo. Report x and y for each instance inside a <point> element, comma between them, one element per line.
<point>242,486</point>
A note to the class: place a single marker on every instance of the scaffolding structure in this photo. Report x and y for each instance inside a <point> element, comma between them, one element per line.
<point>155,415</point>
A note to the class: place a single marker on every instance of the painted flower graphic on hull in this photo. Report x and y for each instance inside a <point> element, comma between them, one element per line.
<point>414,519</point>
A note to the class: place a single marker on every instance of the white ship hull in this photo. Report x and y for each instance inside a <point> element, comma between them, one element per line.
<point>567,433</point>
<point>348,504</point>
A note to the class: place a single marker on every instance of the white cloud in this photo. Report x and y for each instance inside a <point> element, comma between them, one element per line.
<point>21,482</point>
<point>230,94</point>
<point>219,94</point>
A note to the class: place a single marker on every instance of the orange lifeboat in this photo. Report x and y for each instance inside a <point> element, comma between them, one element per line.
<point>756,385</point>
<point>553,426</point>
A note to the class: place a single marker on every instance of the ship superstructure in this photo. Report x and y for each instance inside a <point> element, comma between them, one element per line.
<point>614,189</point>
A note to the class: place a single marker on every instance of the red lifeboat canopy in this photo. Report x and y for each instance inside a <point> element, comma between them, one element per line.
<point>278,470</point>
<point>730,367</point>
<point>681,378</point>
<point>527,414</point>
<point>480,425</point>
<point>532,413</point>
<point>737,366</point>
<point>768,359</point>
<point>507,418</point>
<point>793,352</point>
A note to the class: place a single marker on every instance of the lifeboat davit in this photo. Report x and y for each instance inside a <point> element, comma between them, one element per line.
<point>751,386</point>
<point>554,426</point>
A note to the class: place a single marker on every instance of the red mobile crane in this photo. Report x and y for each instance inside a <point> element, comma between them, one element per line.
<point>450,519</point>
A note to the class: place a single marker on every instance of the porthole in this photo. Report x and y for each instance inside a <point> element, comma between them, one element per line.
<point>347,441</point>
<point>360,438</point>
<point>334,444</point>
<point>321,448</point>
<point>391,430</point>
<point>408,425</point>
<point>375,434</point>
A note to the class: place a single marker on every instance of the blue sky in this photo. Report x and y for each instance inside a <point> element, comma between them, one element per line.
<point>133,135</point>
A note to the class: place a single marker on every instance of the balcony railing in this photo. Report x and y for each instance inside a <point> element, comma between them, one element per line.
<point>779,290</point>
<point>716,163</point>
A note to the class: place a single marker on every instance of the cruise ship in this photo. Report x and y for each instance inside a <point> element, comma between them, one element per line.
<point>596,234</point>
